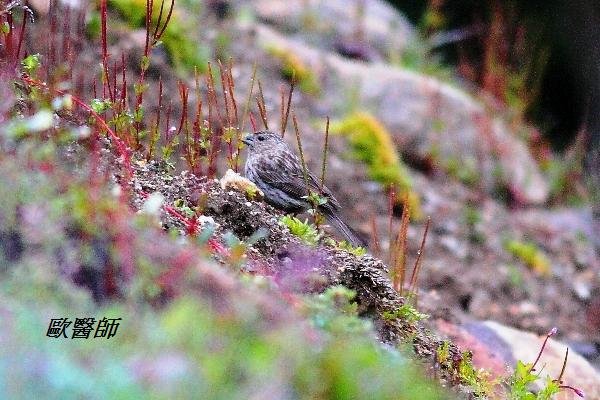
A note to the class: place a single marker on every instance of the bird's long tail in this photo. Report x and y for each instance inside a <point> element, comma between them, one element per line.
<point>348,232</point>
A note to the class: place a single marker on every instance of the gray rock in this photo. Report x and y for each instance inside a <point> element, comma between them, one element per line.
<point>426,117</point>
<point>373,23</point>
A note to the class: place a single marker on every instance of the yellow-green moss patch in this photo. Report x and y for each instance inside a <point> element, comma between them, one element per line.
<point>372,144</point>
<point>292,67</point>
<point>530,255</point>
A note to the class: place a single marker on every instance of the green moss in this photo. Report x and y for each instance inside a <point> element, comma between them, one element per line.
<point>303,229</point>
<point>292,67</point>
<point>183,52</point>
<point>372,144</point>
<point>358,251</point>
<point>406,313</point>
<point>530,255</point>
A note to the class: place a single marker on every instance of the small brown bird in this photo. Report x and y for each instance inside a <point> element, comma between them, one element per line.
<point>278,172</point>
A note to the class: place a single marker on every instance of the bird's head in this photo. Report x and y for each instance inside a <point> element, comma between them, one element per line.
<point>264,140</point>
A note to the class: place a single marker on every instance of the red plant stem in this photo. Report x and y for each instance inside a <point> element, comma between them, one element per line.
<point>551,333</point>
<point>105,56</point>
<point>231,85</point>
<point>121,147</point>
<point>183,94</point>
<point>191,226</point>
<point>578,392</point>
<point>252,122</point>
<point>415,272</point>
<point>21,34</point>
<point>9,35</point>
<point>123,81</point>
<point>162,31</point>
<point>149,10</point>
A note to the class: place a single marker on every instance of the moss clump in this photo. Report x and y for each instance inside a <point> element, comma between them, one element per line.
<point>292,67</point>
<point>183,52</point>
<point>303,229</point>
<point>530,255</point>
<point>372,144</point>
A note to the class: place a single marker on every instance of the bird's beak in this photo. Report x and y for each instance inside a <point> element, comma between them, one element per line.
<point>247,140</point>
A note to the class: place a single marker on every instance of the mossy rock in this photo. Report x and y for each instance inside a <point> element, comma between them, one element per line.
<point>182,50</point>
<point>293,68</point>
<point>372,144</point>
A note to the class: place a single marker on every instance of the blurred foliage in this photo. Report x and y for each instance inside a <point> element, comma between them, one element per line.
<point>372,144</point>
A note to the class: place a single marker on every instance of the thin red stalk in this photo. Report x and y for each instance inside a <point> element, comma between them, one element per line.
<point>53,34</point>
<point>215,138</point>
<point>9,35</point>
<point>162,31</point>
<point>212,94</point>
<point>160,13</point>
<point>183,95</point>
<point>222,74</point>
<point>375,237</point>
<point>287,108</point>
<point>262,107</point>
<point>299,142</point>
<point>562,370</point>
<point>168,121</point>
<point>324,161</point>
<point>415,273</point>
<point>231,86</point>
<point>66,17</point>
<point>391,202</point>
<point>123,81</point>
<point>226,101</point>
<point>548,335</point>
<point>282,107</point>
<point>21,34</point>
<point>118,142</point>
<point>105,55</point>
<point>149,9</point>
<point>197,126</point>
<point>262,112</point>
<point>400,251</point>
<point>247,106</point>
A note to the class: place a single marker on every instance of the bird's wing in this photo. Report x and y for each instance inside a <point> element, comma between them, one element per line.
<point>287,175</point>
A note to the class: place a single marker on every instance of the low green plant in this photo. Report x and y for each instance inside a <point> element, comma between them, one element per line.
<point>525,375</point>
<point>306,231</point>
<point>407,312</point>
<point>344,245</point>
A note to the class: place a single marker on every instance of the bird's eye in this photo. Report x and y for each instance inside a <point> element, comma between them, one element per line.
<point>261,138</point>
